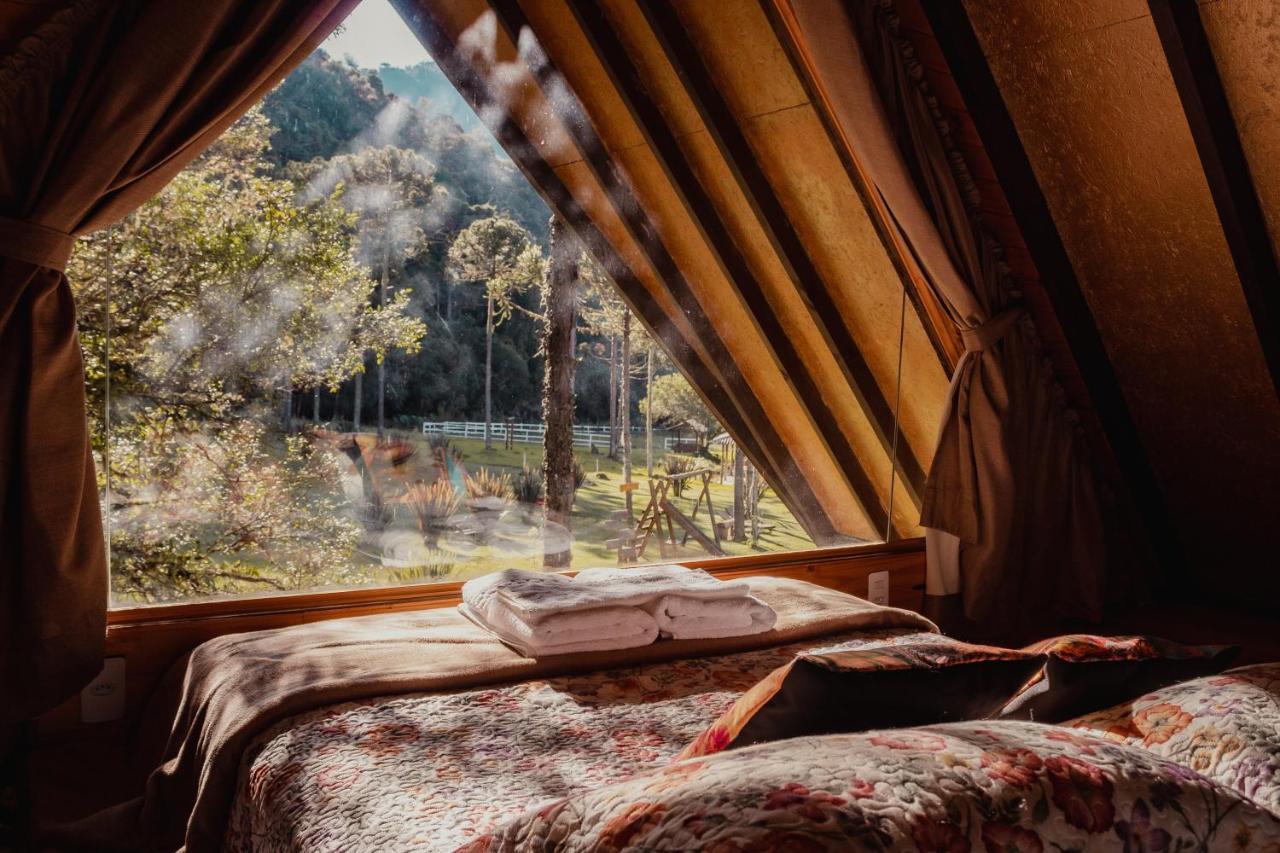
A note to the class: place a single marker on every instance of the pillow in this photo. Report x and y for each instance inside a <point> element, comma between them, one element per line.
<point>852,690</point>
<point>991,786</point>
<point>1226,727</point>
<point>1086,672</point>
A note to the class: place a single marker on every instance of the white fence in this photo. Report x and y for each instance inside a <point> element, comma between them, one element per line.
<point>532,433</point>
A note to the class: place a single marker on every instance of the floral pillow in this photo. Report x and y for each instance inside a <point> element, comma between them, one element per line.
<point>1006,786</point>
<point>1226,727</point>
<point>1085,672</point>
<point>852,690</point>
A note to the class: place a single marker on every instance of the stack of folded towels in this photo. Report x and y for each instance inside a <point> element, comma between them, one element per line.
<point>541,614</point>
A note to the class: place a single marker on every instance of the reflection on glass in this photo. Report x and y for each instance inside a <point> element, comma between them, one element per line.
<point>324,343</point>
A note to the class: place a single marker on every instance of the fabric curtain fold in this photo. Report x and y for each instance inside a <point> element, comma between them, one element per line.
<point>1010,504</point>
<point>101,104</point>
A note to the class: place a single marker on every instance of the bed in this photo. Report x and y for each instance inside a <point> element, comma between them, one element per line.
<point>432,771</point>
<point>420,732</point>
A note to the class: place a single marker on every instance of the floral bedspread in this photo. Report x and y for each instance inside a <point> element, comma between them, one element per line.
<point>434,771</point>
<point>1224,726</point>
<point>954,788</point>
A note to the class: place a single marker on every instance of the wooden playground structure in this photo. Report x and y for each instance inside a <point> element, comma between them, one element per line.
<point>660,518</point>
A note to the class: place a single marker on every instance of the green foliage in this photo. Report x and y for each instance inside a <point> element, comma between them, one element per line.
<point>676,403</point>
<point>499,254</point>
<point>529,485</point>
<point>674,464</point>
<point>320,107</point>
<point>223,288</point>
<point>486,483</point>
<point>433,505</point>
<point>226,508</point>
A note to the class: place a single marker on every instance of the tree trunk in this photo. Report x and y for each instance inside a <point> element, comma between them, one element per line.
<point>739,495</point>
<point>286,410</point>
<point>648,414</point>
<point>357,400</point>
<point>488,376</point>
<point>624,404</point>
<point>315,406</point>
<point>559,296</point>
<point>382,362</point>
<point>613,397</point>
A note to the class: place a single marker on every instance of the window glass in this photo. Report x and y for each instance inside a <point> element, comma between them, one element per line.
<point>316,359</point>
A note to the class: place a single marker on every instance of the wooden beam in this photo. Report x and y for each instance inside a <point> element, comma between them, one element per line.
<point>716,236</point>
<point>1204,101</point>
<point>724,127</point>
<point>968,66</point>
<point>941,329</point>
<point>733,401</point>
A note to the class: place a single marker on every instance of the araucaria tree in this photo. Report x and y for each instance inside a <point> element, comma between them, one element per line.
<point>500,255</point>
<point>559,298</point>
<point>390,190</point>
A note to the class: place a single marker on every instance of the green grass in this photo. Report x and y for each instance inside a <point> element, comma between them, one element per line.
<point>597,506</point>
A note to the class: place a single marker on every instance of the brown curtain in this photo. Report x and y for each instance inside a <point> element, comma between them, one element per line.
<point>1010,505</point>
<point>101,103</point>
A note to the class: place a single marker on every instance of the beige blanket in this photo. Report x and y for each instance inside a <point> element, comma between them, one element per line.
<point>238,685</point>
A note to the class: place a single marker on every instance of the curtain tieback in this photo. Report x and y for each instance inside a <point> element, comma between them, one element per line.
<point>982,337</point>
<point>35,244</point>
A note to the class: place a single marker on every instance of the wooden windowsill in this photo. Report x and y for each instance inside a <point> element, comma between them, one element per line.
<point>448,593</point>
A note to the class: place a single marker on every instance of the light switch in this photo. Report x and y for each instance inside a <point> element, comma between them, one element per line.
<point>103,698</point>
<point>878,588</point>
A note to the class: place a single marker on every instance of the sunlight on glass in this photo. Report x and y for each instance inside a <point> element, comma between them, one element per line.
<point>317,359</point>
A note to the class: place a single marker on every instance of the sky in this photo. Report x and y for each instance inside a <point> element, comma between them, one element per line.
<point>374,34</point>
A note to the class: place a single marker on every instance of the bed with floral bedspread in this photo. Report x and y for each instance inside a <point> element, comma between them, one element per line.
<point>434,771</point>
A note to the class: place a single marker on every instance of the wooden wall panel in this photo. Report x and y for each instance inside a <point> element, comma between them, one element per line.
<point>1095,106</point>
<point>1245,38</point>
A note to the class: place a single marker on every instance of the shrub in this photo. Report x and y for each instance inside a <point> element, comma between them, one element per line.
<point>484,483</point>
<point>438,441</point>
<point>675,464</point>
<point>529,485</point>
<point>433,505</point>
<point>579,475</point>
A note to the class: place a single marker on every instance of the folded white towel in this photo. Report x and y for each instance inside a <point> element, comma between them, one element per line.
<point>597,629</point>
<point>537,594</point>
<point>545,613</point>
<point>682,618</point>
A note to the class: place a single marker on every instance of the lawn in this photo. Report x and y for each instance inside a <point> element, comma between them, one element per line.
<point>598,516</point>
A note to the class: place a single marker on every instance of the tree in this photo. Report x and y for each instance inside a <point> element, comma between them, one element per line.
<point>498,254</point>
<point>559,298</point>
<point>390,191</point>
<point>671,398</point>
<point>224,290</point>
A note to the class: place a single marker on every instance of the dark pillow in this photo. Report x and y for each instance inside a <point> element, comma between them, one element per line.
<point>868,688</point>
<point>1085,673</point>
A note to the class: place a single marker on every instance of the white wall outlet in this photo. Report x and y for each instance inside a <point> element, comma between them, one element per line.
<point>878,588</point>
<point>103,698</point>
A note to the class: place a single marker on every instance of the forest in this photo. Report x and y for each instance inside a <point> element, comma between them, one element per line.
<point>264,339</point>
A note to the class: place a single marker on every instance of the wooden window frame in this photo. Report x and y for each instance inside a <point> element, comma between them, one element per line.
<point>823,564</point>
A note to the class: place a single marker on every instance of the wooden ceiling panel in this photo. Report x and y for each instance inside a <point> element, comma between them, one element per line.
<point>1096,109</point>
<point>742,336</point>
<point>1244,36</point>
<point>826,211</point>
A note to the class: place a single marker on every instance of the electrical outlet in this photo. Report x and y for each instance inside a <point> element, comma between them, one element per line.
<point>878,588</point>
<point>103,698</point>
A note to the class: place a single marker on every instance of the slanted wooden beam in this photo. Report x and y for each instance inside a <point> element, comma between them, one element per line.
<point>741,413</point>
<point>940,328</point>
<point>968,66</point>
<point>715,232</point>
<point>1204,101</point>
<point>790,249</point>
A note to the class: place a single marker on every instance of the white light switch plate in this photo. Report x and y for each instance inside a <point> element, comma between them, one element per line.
<point>878,588</point>
<point>103,698</point>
